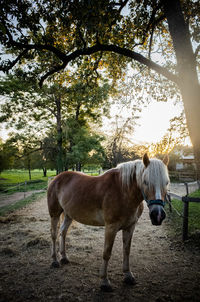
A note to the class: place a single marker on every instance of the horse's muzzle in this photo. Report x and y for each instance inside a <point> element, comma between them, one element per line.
<point>157,214</point>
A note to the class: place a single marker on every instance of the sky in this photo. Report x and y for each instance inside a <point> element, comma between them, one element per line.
<point>153,122</point>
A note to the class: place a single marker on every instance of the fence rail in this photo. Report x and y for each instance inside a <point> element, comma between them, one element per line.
<point>186,200</point>
<point>20,187</point>
<point>183,175</point>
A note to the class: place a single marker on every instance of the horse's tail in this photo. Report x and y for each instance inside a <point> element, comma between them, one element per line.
<point>50,179</point>
<point>54,206</point>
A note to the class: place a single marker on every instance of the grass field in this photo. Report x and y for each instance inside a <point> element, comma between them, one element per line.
<point>17,176</point>
<point>14,180</point>
<point>18,181</point>
<point>194,215</point>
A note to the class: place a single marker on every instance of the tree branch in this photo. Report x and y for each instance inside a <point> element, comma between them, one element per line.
<point>122,51</point>
<point>11,64</point>
<point>52,71</point>
<point>61,55</point>
<point>51,110</point>
<point>141,59</point>
<point>88,51</point>
<point>122,5</point>
<point>152,23</point>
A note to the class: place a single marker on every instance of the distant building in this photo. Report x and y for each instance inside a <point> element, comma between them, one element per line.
<point>185,162</point>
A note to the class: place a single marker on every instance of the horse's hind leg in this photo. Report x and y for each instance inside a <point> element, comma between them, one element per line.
<point>54,231</point>
<point>63,231</point>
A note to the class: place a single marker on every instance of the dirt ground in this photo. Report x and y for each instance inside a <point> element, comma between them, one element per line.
<point>165,269</point>
<point>13,198</point>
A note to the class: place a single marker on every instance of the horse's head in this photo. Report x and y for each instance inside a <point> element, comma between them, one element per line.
<point>155,181</point>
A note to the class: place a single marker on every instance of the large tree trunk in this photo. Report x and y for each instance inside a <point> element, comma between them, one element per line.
<point>186,68</point>
<point>191,99</point>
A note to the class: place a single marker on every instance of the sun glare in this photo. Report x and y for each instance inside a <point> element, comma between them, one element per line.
<point>155,120</point>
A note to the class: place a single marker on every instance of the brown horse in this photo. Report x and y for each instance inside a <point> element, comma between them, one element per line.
<point>114,200</point>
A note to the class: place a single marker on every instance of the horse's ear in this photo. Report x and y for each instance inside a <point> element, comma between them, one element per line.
<point>146,160</point>
<point>166,159</point>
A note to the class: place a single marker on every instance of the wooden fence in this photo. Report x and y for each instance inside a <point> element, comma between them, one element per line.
<point>186,200</point>
<point>183,175</point>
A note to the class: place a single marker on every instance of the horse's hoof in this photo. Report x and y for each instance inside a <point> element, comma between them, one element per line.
<point>55,264</point>
<point>105,286</point>
<point>129,279</point>
<point>64,261</point>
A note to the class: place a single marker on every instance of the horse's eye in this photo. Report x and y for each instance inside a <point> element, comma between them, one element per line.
<point>145,183</point>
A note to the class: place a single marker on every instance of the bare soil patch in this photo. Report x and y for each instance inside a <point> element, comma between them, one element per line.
<point>165,269</point>
<point>13,198</point>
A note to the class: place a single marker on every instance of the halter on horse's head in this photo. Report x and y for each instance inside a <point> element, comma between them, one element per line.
<point>154,185</point>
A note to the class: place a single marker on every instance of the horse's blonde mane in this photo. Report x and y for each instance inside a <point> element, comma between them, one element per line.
<point>129,169</point>
<point>156,174</point>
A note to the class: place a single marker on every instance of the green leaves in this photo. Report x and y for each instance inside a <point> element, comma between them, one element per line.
<point>84,146</point>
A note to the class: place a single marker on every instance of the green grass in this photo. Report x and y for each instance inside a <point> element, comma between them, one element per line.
<point>13,180</point>
<point>194,216</point>
<point>17,176</point>
<point>19,204</point>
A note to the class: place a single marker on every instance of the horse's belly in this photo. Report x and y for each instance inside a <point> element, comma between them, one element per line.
<point>94,218</point>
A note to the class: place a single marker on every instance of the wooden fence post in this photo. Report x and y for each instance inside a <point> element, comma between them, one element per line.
<point>25,189</point>
<point>185,220</point>
<point>185,215</point>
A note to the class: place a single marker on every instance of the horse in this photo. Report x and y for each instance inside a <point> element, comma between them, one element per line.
<point>114,200</point>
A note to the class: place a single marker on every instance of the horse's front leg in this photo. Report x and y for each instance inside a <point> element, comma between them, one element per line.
<point>127,236</point>
<point>110,233</point>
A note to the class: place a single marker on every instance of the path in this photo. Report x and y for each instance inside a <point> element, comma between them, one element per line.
<point>13,198</point>
<point>165,269</point>
<point>180,188</point>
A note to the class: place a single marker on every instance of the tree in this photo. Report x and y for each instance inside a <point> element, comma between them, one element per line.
<point>83,145</point>
<point>7,155</point>
<point>26,145</point>
<point>118,141</point>
<point>50,106</point>
<point>62,32</point>
<point>176,135</point>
